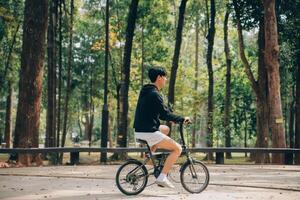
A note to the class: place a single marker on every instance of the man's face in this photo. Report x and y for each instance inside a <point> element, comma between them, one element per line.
<point>162,81</point>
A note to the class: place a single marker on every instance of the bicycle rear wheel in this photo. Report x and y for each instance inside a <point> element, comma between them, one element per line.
<point>194,176</point>
<point>131,177</point>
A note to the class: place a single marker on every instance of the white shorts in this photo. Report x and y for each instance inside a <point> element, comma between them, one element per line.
<point>151,138</point>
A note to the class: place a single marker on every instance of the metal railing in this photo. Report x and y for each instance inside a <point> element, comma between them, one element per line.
<point>74,151</point>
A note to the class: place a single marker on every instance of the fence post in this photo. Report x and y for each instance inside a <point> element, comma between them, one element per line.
<point>219,157</point>
<point>288,158</point>
<point>74,158</point>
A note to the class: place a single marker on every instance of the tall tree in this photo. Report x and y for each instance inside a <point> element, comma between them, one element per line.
<point>259,86</point>
<point>50,140</point>
<point>59,78</point>
<point>272,65</point>
<point>210,109</point>
<point>105,111</point>
<point>262,98</point>
<point>297,128</point>
<point>228,85</point>
<point>171,95</point>
<point>125,78</point>
<point>8,117</point>
<point>68,89</point>
<point>31,75</point>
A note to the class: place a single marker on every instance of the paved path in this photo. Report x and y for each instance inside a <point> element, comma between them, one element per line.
<point>228,182</point>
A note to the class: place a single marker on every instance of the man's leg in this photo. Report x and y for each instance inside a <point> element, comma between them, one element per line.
<point>175,149</point>
<point>165,130</point>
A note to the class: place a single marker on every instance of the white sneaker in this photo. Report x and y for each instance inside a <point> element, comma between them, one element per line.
<point>164,183</point>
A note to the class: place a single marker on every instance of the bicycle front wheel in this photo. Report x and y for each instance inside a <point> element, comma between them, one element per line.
<point>131,178</point>
<point>194,176</point>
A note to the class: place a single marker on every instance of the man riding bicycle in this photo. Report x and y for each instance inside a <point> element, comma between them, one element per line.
<point>149,111</point>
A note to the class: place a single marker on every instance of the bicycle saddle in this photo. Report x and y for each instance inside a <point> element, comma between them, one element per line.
<point>142,141</point>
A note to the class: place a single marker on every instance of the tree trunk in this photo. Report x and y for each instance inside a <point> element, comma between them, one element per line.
<point>79,121</point>
<point>68,89</point>
<point>8,117</point>
<point>292,122</point>
<point>50,140</point>
<point>87,114</point>
<point>59,75</point>
<point>105,111</point>
<point>210,109</point>
<point>110,131</point>
<point>297,107</point>
<point>171,95</point>
<point>125,79</point>
<point>31,77</point>
<point>92,117</point>
<point>228,86</point>
<point>245,136</point>
<point>245,129</point>
<point>262,105</point>
<point>91,110</point>
<point>272,65</point>
<point>259,87</point>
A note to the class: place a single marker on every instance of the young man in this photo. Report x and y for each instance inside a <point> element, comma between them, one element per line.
<point>150,109</point>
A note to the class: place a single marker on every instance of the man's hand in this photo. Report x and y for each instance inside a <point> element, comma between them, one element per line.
<point>187,120</point>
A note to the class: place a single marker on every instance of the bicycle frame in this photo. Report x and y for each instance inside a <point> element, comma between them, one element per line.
<point>140,170</point>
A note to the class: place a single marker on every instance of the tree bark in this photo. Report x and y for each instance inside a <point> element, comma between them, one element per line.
<point>292,122</point>
<point>50,140</point>
<point>31,76</point>
<point>171,95</point>
<point>105,111</point>
<point>228,86</point>
<point>59,76</point>
<point>68,89</point>
<point>87,113</point>
<point>272,65</point>
<point>297,107</point>
<point>262,104</point>
<point>125,78</point>
<point>259,87</point>
<point>210,109</point>
<point>8,117</point>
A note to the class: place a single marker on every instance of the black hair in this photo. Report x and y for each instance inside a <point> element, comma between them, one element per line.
<point>154,72</point>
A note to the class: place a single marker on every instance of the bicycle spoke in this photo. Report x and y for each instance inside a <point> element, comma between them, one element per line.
<point>194,177</point>
<point>131,177</point>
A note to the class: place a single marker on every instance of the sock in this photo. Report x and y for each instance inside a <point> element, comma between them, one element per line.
<point>161,177</point>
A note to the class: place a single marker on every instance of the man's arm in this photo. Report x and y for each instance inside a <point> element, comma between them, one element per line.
<point>164,112</point>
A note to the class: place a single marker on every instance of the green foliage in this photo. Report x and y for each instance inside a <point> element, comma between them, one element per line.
<point>153,44</point>
<point>289,28</point>
<point>10,17</point>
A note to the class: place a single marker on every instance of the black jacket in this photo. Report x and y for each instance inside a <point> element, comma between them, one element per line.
<point>150,108</point>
